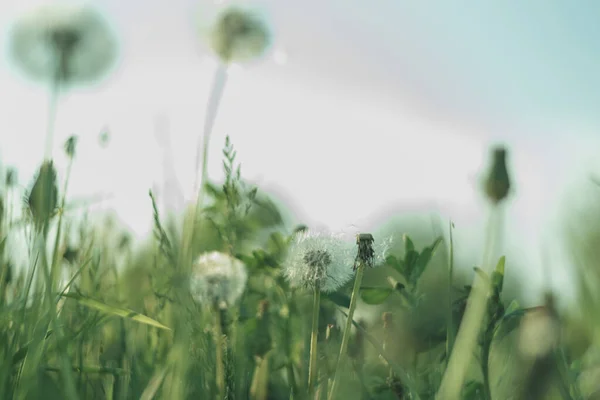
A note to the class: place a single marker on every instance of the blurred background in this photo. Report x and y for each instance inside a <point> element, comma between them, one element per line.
<point>363,111</point>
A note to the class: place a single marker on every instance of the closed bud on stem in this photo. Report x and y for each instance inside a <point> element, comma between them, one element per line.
<point>43,197</point>
<point>497,184</point>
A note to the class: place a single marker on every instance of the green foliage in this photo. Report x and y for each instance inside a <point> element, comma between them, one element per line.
<point>122,324</point>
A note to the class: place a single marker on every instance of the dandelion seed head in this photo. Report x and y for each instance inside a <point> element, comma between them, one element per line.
<point>218,279</point>
<point>319,257</point>
<point>237,34</point>
<point>68,41</point>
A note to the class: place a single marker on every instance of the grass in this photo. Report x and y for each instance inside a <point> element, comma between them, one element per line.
<point>101,320</point>
<point>136,331</point>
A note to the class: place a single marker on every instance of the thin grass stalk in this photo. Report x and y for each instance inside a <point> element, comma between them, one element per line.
<point>55,256</point>
<point>219,356</point>
<point>314,337</point>
<point>347,330</point>
<point>450,334</point>
<point>466,339</point>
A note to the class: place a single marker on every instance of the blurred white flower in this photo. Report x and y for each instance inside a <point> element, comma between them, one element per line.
<point>218,279</point>
<point>236,33</point>
<point>68,42</point>
<point>319,257</point>
<point>538,333</point>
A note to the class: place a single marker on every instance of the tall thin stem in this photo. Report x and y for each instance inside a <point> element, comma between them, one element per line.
<point>54,268</point>
<point>450,330</point>
<point>220,360</point>
<point>216,93</point>
<point>347,330</point>
<point>51,122</point>
<point>314,336</point>
<point>466,340</point>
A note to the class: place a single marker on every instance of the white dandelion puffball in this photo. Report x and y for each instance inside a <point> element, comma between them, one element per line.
<point>218,279</point>
<point>319,257</point>
<point>238,34</point>
<point>66,41</point>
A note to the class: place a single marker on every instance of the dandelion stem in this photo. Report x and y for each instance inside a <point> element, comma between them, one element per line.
<point>216,92</point>
<point>469,329</point>
<point>220,366</point>
<point>347,330</point>
<point>450,330</point>
<point>54,268</point>
<point>52,108</point>
<point>314,336</point>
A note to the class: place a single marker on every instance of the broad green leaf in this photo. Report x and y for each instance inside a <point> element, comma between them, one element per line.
<point>375,296</point>
<point>396,263</point>
<point>423,261</point>
<point>118,311</point>
<point>410,260</point>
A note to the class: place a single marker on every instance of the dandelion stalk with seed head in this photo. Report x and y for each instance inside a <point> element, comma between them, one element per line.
<point>237,35</point>
<point>364,257</point>
<point>317,261</point>
<point>497,188</point>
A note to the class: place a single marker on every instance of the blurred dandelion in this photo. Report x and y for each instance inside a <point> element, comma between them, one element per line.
<point>235,34</point>
<point>63,44</point>
<point>218,279</point>
<point>540,329</point>
<point>320,261</point>
<point>319,258</point>
<point>239,35</point>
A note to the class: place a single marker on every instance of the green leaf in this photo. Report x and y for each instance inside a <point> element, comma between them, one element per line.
<point>118,311</point>
<point>408,244</point>
<point>375,296</point>
<point>423,261</point>
<point>498,275</point>
<point>410,260</point>
<point>20,354</point>
<point>396,263</point>
<point>513,306</point>
<point>508,323</point>
<point>473,391</point>
<point>338,298</point>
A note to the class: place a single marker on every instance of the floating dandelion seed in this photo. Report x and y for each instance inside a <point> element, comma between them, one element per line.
<point>218,279</point>
<point>63,44</point>
<point>319,258</point>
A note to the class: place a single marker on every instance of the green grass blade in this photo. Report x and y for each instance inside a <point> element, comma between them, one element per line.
<point>121,312</point>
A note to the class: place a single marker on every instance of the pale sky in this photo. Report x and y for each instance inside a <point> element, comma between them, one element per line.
<point>399,97</point>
